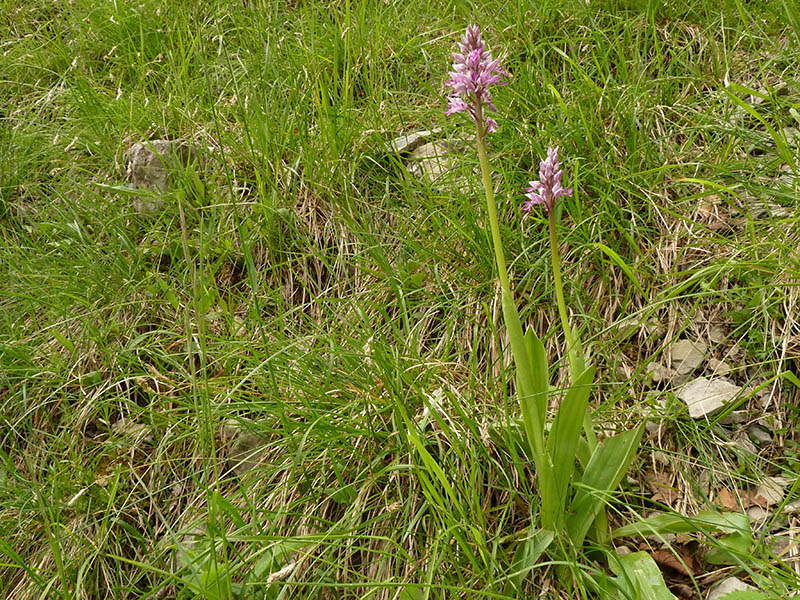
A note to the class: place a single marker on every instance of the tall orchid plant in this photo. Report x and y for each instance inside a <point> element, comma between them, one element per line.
<point>567,511</point>
<point>576,471</point>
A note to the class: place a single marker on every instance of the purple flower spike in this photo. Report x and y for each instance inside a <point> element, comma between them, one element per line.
<point>548,189</point>
<point>473,72</point>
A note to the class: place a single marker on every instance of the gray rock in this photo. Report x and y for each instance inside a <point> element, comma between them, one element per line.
<point>436,163</point>
<point>703,396</point>
<point>686,356</point>
<point>780,544</point>
<point>793,508</point>
<point>770,489</point>
<point>717,334</point>
<point>151,165</point>
<point>735,417</point>
<point>760,434</point>
<point>726,586</point>
<point>658,372</point>
<point>245,449</point>
<point>719,367</point>
<point>408,142</point>
<point>743,442</point>
<point>757,515</point>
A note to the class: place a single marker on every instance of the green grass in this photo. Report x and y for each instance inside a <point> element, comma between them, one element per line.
<point>293,381</point>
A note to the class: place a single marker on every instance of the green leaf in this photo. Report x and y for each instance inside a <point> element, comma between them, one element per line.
<point>606,468</point>
<point>638,576</point>
<point>411,592</point>
<point>778,138</point>
<point>527,384</point>
<point>528,553</point>
<point>730,546</point>
<point>562,442</point>
<point>617,260</point>
<point>63,340</point>
<point>705,521</point>
<point>540,375</point>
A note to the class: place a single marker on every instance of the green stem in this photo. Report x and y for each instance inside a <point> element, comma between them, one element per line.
<point>562,305</point>
<point>483,159</point>
<point>574,353</point>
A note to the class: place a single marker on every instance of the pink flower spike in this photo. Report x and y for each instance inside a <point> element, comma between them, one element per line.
<point>548,189</point>
<point>473,72</point>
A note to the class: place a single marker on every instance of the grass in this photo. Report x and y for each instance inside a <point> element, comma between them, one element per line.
<point>292,381</point>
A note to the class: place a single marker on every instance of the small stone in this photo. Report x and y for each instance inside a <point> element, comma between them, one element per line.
<point>770,490</point>
<point>735,417</point>
<point>760,434</point>
<point>686,356</point>
<point>756,514</point>
<point>703,396</point>
<point>726,586</point>
<point>631,326</point>
<point>246,450</point>
<point>653,428</point>
<point>149,166</point>
<point>780,544</point>
<point>793,508</point>
<point>735,354</point>
<point>408,142</point>
<point>719,367</point>
<point>717,334</point>
<point>658,372</point>
<point>433,163</point>
<point>743,442</point>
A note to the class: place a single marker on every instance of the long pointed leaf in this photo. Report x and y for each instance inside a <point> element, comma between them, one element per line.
<point>528,553</point>
<point>562,442</point>
<point>532,385</point>
<point>540,374</point>
<point>606,468</point>
<point>704,521</point>
<point>639,576</point>
<point>525,382</point>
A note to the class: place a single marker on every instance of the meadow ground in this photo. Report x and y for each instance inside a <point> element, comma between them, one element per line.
<point>228,398</point>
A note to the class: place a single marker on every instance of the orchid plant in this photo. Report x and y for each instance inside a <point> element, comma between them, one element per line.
<point>567,511</point>
<point>576,471</point>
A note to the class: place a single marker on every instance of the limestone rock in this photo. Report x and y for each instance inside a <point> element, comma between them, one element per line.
<point>718,334</point>
<point>726,586</point>
<point>703,396</point>
<point>686,356</point>
<point>150,166</point>
<point>437,164</point>
<point>408,142</point>
<point>658,372</point>
<point>743,442</point>
<point>760,434</point>
<point>719,367</point>
<point>770,490</point>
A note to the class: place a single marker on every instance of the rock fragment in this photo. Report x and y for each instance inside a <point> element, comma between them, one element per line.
<point>719,367</point>
<point>760,434</point>
<point>408,142</point>
<point>770,491</point>
<point>150,166</point>
<point>437,164</point>
<point>717,334</point>
<point>703,396</point>
<point>686,356</point>
<point>658,372</point>
<point>726,586</point>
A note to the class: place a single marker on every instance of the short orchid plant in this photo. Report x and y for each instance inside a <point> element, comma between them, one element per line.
<point>576,472</point>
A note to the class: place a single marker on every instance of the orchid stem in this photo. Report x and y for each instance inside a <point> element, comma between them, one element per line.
<point>494,225</point>
<point>562,305</point>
